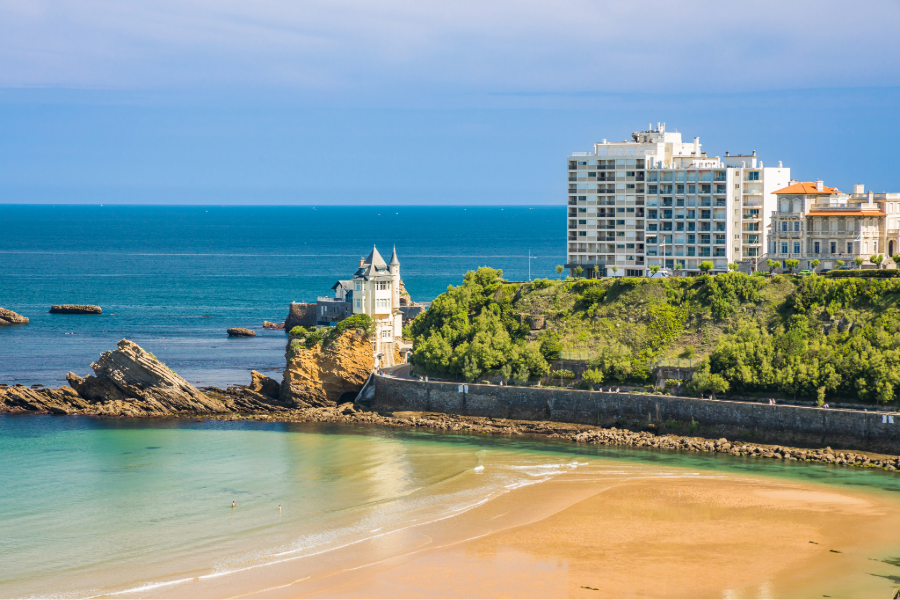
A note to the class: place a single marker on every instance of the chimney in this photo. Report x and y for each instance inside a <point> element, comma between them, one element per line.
<point>726,153</point>
<point>754,153</point>
<point>819,185</point>
<point>779,164</point>
<point>859,189</point>
<point>696,146</point>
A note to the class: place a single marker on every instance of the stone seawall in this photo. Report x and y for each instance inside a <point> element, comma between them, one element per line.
<point>750,421</point>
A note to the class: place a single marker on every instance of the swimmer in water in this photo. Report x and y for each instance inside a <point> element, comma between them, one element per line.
<point>233,504</point>
<point>279,508</point>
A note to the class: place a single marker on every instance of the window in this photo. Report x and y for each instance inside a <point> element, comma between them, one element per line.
<point>582,210</point>
<point>834,247</point>
<point>720,239</point>
<point>359,303</point>
<point>796,247</point>
<point>358,286</point>
<point>797,226</point>
<point>849,247</point>
<point>582,233</point>
<point>384,285</point>
<point>580,222</point>
<point>753,176</point>
<point>816,248</point>
<point>386,333</point>
<point>784,247</point>
<point>784,226</point>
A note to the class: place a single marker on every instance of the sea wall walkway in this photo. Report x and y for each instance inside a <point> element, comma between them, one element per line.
<point>874,430</point>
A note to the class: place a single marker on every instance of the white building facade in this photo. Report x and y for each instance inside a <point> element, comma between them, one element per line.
<point>656,200</point>
<point>376,292</point>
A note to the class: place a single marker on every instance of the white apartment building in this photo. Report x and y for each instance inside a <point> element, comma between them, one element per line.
<point>814,222</point>
<point>656,200</point>
<point>376,292</point>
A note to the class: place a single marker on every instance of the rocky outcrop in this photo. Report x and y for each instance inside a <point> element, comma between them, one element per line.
<point>300,313</point>
<point>61,401</point>
<point>8,317</point>
<point>323,374</point>
<point>270,325</point>
<point>76,309</point>
<point>241,332</point>
<point>265,385</point>
<point>131,380</point>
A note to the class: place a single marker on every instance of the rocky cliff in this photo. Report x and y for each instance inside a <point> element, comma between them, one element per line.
<point>323,374</point>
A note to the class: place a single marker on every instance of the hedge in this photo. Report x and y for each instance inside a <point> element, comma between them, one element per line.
<point>873,273</point>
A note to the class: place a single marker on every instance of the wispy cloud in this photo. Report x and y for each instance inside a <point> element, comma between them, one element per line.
<point>392,48</point>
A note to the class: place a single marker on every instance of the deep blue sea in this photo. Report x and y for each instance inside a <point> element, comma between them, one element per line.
<point>173,279</point>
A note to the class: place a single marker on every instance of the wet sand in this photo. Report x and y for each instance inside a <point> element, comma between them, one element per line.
<point>616,531</point>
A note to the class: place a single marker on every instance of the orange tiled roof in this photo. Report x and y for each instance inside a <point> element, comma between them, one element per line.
<point>846,213</point>
<point>807,187</point>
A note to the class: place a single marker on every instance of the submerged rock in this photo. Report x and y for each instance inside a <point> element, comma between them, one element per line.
<point>271,325</point>
<point>328,373</point>
<point>8,317</point>
<point>76,309</point>
<point>241,332</point>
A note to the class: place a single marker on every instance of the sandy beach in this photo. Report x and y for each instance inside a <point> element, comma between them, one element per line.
<point>605,530</point>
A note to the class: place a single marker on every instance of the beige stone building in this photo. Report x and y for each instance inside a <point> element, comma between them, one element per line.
<point>815,222</point>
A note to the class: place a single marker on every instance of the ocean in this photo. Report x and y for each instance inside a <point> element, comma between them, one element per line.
<point>174,279</point>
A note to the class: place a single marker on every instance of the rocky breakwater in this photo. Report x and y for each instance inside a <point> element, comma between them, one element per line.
<point>8,317</point>
<point>76,309</point>
<point>323,372</point>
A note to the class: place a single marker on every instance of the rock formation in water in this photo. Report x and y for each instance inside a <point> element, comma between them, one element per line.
<point>323,374</point>
<point>131,380</point>
<point>241,332</point>
<point>8,317</point>
<point>76,309</point>
<point>271,325</point>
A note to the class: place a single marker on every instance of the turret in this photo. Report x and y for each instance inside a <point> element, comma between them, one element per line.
<point>394,267</point>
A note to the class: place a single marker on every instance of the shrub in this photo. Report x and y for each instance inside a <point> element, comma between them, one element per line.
<point>868,273</point>
<point>361,322</point>
<point>551,348</point>
<point>562,374</point>
<point>592,377</point>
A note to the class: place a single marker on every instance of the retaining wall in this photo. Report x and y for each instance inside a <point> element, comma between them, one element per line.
<point>850,427</point>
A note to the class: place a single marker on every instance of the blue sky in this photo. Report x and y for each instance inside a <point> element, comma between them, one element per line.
<point>220,102</point>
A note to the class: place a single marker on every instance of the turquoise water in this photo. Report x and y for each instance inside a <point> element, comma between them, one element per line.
<point>173,279</point>
<point>90,506</point>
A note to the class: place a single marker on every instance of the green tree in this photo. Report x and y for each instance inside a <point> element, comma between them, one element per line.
<point>791,264</point>
<point>578,271</point>
<point>654,269</point>
<point>559,270</point>
<point>551,348</point>
<point>772,264</point>
<point>840,264</point>
<point>733,266</point>
<point>678,267</point>
<point>859,261</point>
<point>876,259</point>
<point>706,266</point>
<point>896,259</point>
<point>596,271</point>
<point>705,382</point>
<point>592,377</point>
<point>814,264</point>
<point>615,269</point>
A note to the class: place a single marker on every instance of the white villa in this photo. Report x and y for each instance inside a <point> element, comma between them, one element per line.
<point>376,292</point>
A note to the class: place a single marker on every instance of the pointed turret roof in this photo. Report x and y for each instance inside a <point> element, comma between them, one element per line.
<point>375,259</point>
<point>394,259</point>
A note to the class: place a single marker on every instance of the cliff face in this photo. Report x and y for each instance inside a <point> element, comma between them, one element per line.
<point>321,375</point>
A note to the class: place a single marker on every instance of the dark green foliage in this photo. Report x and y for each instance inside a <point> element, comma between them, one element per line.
<point>361,322</point>
<point>868,273</point>
<point>551,348</point>
<point>472,329</point>
<point>540,284</point>
<point>727,291</point>
<point>562,374</point>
